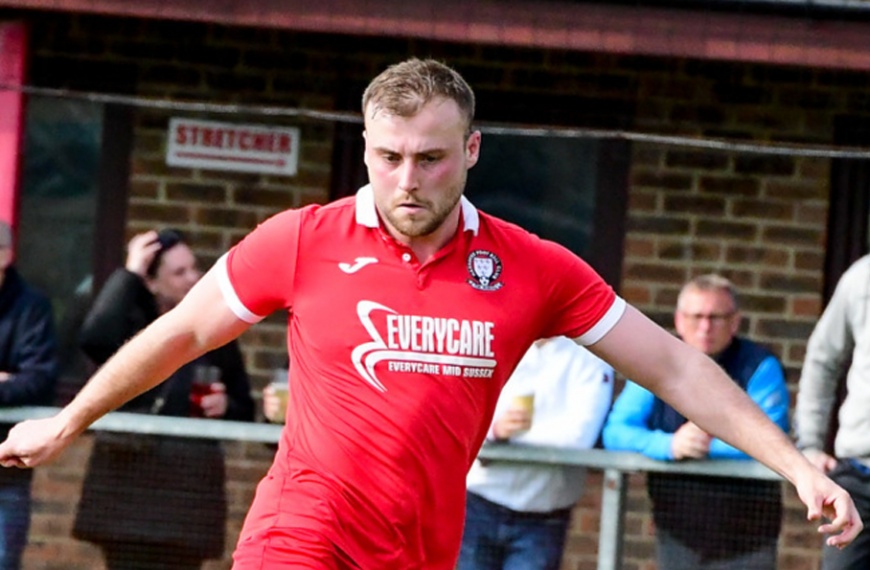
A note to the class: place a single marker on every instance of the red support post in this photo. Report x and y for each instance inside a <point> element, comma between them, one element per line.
<point>13,53</point>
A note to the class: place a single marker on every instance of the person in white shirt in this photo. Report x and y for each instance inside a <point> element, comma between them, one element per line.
<point>517,515</point>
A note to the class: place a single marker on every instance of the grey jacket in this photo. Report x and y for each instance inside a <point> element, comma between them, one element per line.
<point>840,339</point>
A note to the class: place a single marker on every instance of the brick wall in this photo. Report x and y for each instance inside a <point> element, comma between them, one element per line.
<point>758,219</point>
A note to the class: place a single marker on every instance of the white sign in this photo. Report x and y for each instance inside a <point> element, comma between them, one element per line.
<point>228,146</point>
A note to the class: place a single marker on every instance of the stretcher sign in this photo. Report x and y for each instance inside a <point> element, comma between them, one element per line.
<point>228,146</point>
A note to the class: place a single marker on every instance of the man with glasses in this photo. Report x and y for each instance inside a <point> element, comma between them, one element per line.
<point>706,523</point>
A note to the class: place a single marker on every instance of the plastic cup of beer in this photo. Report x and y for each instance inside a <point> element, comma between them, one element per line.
<point>204,376</point>
<point>525,402</point>
<point>280,390</point>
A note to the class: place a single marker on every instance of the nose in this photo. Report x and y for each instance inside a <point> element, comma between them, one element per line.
<point>407,176</point>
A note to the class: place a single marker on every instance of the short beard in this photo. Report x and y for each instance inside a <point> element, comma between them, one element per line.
<point>421,228</point>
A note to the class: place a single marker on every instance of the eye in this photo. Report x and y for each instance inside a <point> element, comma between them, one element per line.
<point>391,158</point>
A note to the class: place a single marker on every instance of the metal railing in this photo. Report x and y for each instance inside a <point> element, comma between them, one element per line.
<point>616,466</point>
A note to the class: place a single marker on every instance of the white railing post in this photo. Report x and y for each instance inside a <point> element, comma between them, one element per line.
<point>612,520</point>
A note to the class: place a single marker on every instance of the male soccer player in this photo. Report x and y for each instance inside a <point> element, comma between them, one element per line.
<point>408,310</point>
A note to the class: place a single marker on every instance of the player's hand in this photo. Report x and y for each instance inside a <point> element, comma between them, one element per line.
<point>690,442</point>
<point>33,442</point>
<point>511,423</point>
<point>820,459</point>
<point>214,405</point>
<point>825,499</point>
<point>141,251</point>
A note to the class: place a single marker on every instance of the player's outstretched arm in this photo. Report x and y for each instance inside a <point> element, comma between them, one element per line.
<point>693,384</point>
<point>201,322</point>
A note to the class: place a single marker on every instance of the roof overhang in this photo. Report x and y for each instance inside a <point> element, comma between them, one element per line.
<point>648,29</point>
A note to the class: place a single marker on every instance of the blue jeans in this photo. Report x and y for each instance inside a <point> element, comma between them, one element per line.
<point>497,538</point>
<point>14,523</point>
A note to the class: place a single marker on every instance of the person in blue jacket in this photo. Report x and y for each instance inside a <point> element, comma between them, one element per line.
<point>706,523</point>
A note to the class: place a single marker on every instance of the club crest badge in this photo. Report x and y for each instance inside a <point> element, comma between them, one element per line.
<point>485,269</point>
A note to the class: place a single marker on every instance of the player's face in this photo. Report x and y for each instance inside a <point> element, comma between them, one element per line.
<point>176,275</point>
<point>417,167</point>
<point>707,320</point>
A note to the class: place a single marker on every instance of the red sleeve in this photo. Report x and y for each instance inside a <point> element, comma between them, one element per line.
<point>581,304</point>
<point>259,272</point>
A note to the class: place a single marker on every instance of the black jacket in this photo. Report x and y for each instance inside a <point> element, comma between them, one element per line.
<point>165,490</point>
<point>28,352</point>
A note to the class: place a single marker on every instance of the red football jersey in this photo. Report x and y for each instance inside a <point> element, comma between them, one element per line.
<point>395,369</point>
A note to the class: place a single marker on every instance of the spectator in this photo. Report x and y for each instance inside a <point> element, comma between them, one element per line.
<point>707,522</point>
<point>517,516</point>
<point>28,374</point>
<point>838,346</point>
<point>156,502</point>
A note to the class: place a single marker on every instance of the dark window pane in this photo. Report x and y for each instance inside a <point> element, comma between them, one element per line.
<point>546,185</point>
<point>57,217</point>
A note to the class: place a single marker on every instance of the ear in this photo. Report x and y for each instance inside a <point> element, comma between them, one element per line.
<point>679,323</point>
<point>151,284</point>
<point>472,149</point>
<point>365,148</point>
<point>736,319</point>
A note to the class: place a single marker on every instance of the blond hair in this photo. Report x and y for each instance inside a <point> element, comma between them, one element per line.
<point>404,88</point>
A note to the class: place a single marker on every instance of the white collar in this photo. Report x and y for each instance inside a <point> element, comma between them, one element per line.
<point>367,214</point>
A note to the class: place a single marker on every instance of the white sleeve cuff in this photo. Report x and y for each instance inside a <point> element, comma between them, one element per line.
<point>604,324</point>
<point>229,293</point>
